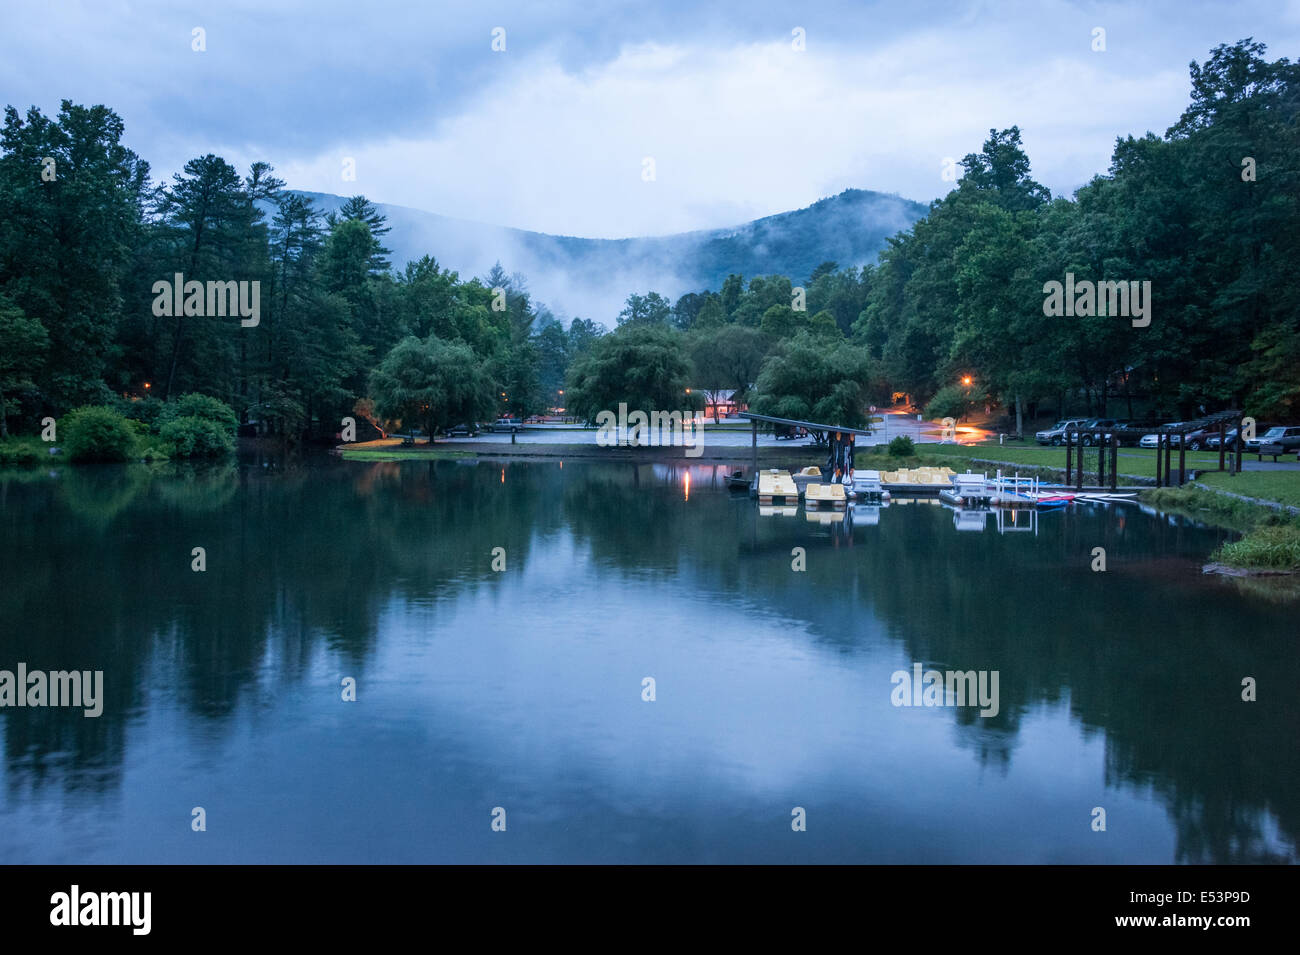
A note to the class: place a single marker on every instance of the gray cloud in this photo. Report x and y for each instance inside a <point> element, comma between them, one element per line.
<point>551,134</point>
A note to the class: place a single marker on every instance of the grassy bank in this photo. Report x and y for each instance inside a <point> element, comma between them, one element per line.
<point>23,452</point>
<point>1131,462</point>
<point>1281,487</point>
<point>1270,534</point>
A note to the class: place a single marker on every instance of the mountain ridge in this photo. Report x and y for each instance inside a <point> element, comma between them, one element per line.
<point>591,278</point>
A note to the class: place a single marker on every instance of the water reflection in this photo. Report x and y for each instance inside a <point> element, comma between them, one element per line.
<point>479,687</point>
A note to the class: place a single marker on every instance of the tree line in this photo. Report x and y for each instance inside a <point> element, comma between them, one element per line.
<point>953,310</point>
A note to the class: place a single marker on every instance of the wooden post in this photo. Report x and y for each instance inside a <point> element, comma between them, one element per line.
<point>1223,437</point>
<point>1182,458</point>
<point>1068,456</point>
<point>1160,438</point>
<point>1114,461</point>
<point>1241,439</point>
<point>1101,460</point>
<point>754,442</point>
<point>1078,472</point>
<point>1169,453</point>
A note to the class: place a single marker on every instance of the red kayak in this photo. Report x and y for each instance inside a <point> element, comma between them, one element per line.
<point>1053,499</point>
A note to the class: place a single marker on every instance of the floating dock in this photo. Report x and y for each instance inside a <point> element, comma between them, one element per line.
<point>923,480</point>
<point>775,486</point>
<point>825,495</point>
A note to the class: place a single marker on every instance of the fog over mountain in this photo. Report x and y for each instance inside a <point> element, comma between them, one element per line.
<point>591,278</point>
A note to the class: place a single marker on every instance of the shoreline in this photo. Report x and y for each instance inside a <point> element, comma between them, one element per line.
<point>390,451</point>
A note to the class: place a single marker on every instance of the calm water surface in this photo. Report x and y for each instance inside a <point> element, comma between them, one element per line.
<point>522,689</point>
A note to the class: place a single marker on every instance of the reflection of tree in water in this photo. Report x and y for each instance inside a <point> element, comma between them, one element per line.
<point>98,565</point>
<point>305,559</point>
<point>1166,694</point>
<point>99,493</point>
<point>197,487</point>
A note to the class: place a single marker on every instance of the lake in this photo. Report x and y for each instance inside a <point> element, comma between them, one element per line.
<point>518,694</point>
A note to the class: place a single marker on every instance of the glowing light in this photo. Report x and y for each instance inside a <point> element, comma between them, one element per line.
<point>147,386</point>
<point>966,380</point>
<point>686,485</point>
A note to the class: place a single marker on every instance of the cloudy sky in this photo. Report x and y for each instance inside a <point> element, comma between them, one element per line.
<point>554,132</point>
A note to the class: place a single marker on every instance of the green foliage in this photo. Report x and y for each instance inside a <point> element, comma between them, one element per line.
<point>781,321</point>
<point>641,364</point>
<point>194,437</point>
<point>147,410</point>
<point>23,344</point>
<point>200,406</point>
<point>22,452</point>
<point>649,309</point>
<point>92,433</point>
<point>515,374</point>
<point>435,383</point>
<point>811,380</point>
<point>1274,546</point>
<point>725,357</point>
<point>901,447</point>
<point>948,402</point>
<point>70,263</point>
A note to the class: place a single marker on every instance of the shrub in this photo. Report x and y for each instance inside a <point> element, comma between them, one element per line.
<point>1273,546</point>
<point>195,437</point>
<point>151,453</point>
<point>146,410</point>
<point>902,447</point>
<point>948,402</point>
<point>21,453</point>
<point>93,433</point>
<point>195,405</point>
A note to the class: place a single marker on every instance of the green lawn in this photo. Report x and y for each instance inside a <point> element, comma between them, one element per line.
<point>1280,486</point>
<point>1138,462</point>
<point>362,454</point>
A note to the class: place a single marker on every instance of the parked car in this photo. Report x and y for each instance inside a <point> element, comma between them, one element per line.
<point>1288,437</point>
<point>1153,440</point>
<point>1055,435</point>
<point>1197,439</point>
<point>1128,435</point>
<point>1229,440</point>
<point>510,425</point>
<point>1102,428</point>
<point>462,430</point>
